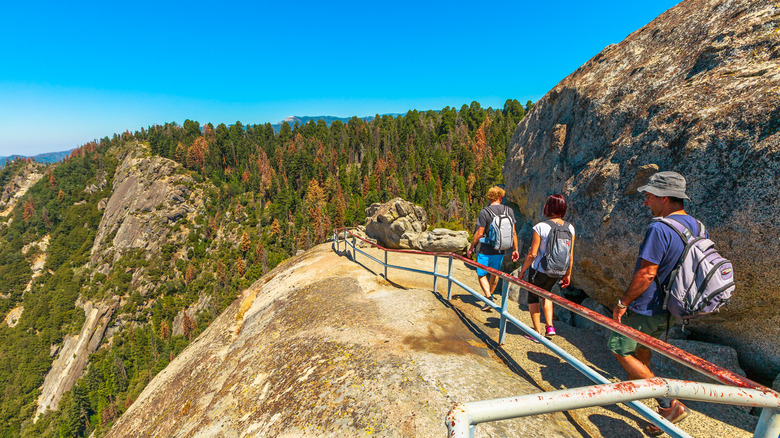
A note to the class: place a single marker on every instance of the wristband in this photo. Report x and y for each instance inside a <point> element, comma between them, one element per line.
<point>621,305</point>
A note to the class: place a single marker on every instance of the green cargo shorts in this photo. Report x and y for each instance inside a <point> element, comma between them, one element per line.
<point>654,326</point>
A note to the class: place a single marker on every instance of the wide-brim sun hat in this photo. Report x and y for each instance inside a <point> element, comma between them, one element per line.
<point>666,184</point>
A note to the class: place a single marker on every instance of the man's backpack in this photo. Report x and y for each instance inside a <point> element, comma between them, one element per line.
<point>702,281</point>
<point>557,253</point>
<point>500,230</point>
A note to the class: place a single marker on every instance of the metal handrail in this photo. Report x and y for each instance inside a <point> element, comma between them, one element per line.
<point>769,422</point>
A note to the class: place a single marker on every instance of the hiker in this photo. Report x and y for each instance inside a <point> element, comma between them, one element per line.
<point>642,304</point>
<point>495,223</point>
<point>549,260</point>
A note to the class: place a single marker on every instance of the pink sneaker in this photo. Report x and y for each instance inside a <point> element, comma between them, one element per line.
<point>550,332</point>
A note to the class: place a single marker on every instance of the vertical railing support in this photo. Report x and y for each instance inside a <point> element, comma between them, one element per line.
<point>435,277</point>
<point>504,305</point>
<point>354,251</point>
<point>385,265</point>
<point>768,424</point>
<point>449,278</point>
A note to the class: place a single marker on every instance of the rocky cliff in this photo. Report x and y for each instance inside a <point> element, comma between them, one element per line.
<point>15,189</point>
<point>74,354</point>
<point>149,195</point>
<point>696,91</point>
<point>322,346</point>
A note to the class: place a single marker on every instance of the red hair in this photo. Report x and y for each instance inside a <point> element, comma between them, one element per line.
<point>555,206</point>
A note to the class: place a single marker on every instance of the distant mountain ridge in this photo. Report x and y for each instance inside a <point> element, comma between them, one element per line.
<point>302,120</point>
<point>47,158</point>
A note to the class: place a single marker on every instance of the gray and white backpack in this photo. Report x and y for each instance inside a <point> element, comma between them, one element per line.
<point>557,252</point>
<point>702,281</point>
<point>500,230</point>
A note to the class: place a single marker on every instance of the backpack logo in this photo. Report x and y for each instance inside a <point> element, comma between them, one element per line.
<point>693,288</point>
<point>557,252</point>
<point>500,230</point>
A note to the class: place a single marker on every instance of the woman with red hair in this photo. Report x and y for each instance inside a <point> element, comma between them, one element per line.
<point>541,271</point>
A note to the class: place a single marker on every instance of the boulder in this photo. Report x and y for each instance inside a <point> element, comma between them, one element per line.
<point>399,224</point>
<point>721,355</point>
<point>388,222</point>
<point>437,240</point>
<point>694,92</point>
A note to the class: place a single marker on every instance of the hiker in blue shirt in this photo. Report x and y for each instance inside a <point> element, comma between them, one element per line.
<point>488,256</point>
<point>642,305</point>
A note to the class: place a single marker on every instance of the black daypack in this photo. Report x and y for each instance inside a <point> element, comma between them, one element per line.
<point>557,252</point>
<point>500,229</point>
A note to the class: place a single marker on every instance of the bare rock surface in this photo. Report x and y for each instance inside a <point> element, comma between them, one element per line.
<point>15,189</point>
<point>322,346</point>
<point>696,91</point>
<point>399,224</point>
<point>69,364</point>
<point>149,195</point>
<point>12,318</point>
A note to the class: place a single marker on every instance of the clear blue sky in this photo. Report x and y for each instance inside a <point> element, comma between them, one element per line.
<point>76,71</point>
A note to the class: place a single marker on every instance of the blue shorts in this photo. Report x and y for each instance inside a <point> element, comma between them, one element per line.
<point>491,261</point>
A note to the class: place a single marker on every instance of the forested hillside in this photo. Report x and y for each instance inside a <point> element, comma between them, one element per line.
<point>257,196</point>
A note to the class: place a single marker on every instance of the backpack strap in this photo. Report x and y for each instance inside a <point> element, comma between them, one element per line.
<point>687,236</point>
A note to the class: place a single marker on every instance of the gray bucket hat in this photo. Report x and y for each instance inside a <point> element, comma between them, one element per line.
<point>666,184</point>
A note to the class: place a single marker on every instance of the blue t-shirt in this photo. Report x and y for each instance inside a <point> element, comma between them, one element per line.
<point>662,246</point>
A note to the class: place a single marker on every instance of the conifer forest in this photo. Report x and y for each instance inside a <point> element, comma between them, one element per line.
<point>267,194</point>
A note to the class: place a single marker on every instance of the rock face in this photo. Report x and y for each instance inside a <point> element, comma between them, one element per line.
<point>15,189</point>
<point>148,196</point>
<point>695,91</point>
<point>399,224</point>
<point>12,318</point>
<point>323,347</point>
<point>69,365</point>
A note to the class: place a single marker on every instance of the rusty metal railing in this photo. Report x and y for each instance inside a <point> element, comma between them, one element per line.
<point>758,395</point>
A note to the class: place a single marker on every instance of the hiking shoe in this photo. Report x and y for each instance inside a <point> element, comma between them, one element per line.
<point>550,332</point>
<point>674,413</point>
<point>486,308</point>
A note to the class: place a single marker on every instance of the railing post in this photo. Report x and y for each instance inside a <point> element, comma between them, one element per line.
<point>354,251</point>
<point>435,277</point>
<point>449,278</point>
<point>504,305</point>
<point>385,264</point>
<point>768,424</point>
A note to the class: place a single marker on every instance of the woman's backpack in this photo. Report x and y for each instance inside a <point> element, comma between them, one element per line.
<point>557,253</point>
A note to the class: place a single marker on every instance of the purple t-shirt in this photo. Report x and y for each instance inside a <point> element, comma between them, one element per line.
<point>662,246</point>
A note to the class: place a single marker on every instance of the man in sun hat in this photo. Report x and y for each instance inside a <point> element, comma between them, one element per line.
<point>642,304</point>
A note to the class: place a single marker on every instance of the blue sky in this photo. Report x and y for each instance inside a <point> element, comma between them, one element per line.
<point>76,71</point>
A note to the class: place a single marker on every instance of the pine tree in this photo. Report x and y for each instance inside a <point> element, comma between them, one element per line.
<point>165,331</point>
<point>240,267</point>
<point>245,242</point>
<point>29,209</point>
